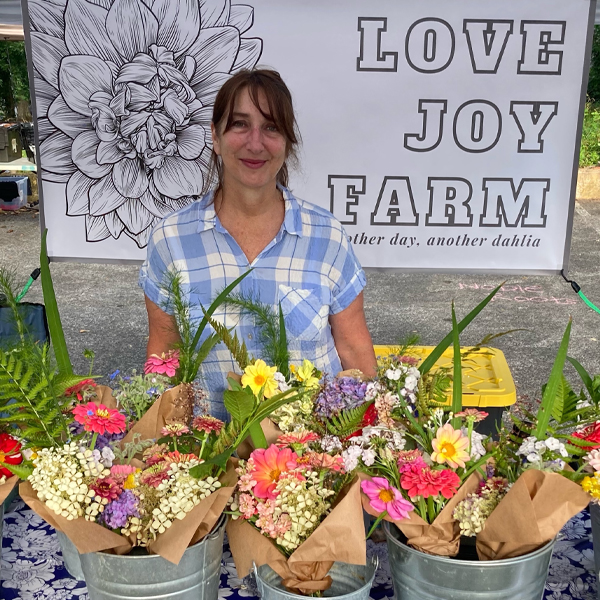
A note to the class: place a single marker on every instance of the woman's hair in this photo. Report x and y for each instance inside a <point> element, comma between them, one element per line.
<point>281,112</point>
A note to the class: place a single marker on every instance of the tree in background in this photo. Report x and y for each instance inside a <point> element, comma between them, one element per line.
<point>593,89</point>
<point>14,80</point>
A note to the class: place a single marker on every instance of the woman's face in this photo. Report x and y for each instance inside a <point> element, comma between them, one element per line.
<point>253,150</point>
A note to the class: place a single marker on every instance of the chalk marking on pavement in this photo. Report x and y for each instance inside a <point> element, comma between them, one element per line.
<point>592,221</point>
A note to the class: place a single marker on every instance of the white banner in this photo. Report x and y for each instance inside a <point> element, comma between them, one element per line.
<point>442,134</point>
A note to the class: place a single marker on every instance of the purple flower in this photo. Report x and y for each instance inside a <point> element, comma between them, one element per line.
<point>340,394</point>
<point>117,513</point>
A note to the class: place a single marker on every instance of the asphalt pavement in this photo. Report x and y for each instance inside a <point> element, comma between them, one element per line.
<point>102,307</point>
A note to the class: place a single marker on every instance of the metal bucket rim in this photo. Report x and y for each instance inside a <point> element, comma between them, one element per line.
<point>469,563</point>
<point>373,562</point>
<point>220,523</point>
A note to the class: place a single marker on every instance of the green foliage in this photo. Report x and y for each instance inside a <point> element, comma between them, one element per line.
<point>593,88</point>
<point>14,79</point>
<point>238,350</point>
<point>190,355</point>
<point>57,336</point>
<point>136,394</point>
<point>28,377</point>
<point>22,471</point>
<point>347,421</point>
<point>271,327</point>
<point>8,293</point>
<point>552,387</point>
<point>428,363</point>
<point>124,455</point>
<point>565,402</point>
<point>589,153</point>
<point>239,402</point>
<point>457,368</point>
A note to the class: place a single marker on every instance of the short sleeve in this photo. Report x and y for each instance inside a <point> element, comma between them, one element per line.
<point>348,276</point>
<point>153,273</point>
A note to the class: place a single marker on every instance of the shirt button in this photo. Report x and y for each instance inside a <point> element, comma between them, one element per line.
<point>249,336</point>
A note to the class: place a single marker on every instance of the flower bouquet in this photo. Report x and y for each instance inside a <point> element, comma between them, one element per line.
<point>297,510</point>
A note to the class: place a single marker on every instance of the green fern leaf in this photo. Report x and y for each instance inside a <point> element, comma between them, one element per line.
<point>347,421</point>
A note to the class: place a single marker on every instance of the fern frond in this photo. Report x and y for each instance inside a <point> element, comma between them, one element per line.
<point>238,350</point>
<point>347,421</point>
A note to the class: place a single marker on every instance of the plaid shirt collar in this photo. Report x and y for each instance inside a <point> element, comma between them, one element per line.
<point>292,220</point>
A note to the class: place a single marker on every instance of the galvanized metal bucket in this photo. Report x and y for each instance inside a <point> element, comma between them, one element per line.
<point>420,576</point>
<point>595,517</point>
<point>1,526</point>
<point>71,556</point>
<point>350,582</point>
<point>196,577</point>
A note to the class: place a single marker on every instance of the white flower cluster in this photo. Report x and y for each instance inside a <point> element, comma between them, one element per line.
<point>477,448</point>
<point>330,443</point>
<point>535,451</point>
<point>305,502</point>
<point>2,479</point>
<point>361,447</point>
<point>58,480</point>
<point>282,384</point>
<point>180,494</point>
<point>411,377</point>
<point>293,416</point>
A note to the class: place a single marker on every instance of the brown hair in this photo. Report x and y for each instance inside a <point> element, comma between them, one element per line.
<point>281,112</point>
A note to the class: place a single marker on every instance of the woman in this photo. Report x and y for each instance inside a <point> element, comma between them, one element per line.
<point>299,253</point>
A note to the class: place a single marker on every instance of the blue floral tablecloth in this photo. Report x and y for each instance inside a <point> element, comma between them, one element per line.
<point>32,566</point>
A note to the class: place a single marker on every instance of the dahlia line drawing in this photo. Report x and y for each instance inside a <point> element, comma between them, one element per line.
<point>124,91</point>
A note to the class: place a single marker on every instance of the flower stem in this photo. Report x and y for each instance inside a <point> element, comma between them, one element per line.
<point>430,509</point>
<point>175,443</point>
<point>422,508</point>
<point>202,447</point>
<point>377,521</point>
<point>93,442</point>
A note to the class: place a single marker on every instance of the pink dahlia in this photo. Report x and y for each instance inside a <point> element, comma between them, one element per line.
<point>166,364</point>
<point>385,497</point>
<point>99,419</point>
<point>427,482</point>
<point>270,465</point>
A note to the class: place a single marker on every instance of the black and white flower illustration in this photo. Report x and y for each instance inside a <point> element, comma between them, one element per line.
<point>124,96</point>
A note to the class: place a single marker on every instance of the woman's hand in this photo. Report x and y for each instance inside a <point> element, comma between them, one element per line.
<point>352,338</point>
<point>162,330</point>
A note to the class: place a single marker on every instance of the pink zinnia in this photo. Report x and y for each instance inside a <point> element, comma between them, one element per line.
<point>410,458</point>
<point>296,437</point>
<point>99,419</point>
<point>177,457</point>
<point>270,465</point>
<point>174,430</point>
<point>472,413</point>
<point>155,475</point>
<point>385,497</point>
<point>319,460</point>
<point>163,364</point>
<point>106,488</point>
<point>121,472</point>
<point>426,482</point>
<point>207,424</point>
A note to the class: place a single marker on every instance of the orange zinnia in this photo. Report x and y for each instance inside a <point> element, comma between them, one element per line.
<point>270,465</point>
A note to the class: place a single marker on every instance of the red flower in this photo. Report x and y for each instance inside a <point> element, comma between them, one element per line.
<point>106,488</point>
<point>79,388</point>
<point>590,434</point>
<point>427,482</point>
<point>9,453</point>
<point>99,419</point>
<point>369,419</point>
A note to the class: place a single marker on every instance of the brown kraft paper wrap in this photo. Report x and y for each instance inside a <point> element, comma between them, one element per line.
<point>531,514</point>
<point>7,487</point>
<point>440,538</point>
<point>340,537</point>
<point>92,537</point>
<point>167,409</point>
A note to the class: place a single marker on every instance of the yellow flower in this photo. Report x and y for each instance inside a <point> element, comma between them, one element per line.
<point>305,374</point>
<point>450,447</point>
<point>591,485</point>
<point>130,482</point>
<point>260,376</point>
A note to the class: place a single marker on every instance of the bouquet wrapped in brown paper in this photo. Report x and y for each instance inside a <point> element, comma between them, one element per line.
<point>288,515</point>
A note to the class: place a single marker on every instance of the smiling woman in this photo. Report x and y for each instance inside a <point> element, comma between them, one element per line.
<point>299,253</point>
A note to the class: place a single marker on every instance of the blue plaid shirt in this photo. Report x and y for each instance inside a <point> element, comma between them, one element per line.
<point>309,267</point>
